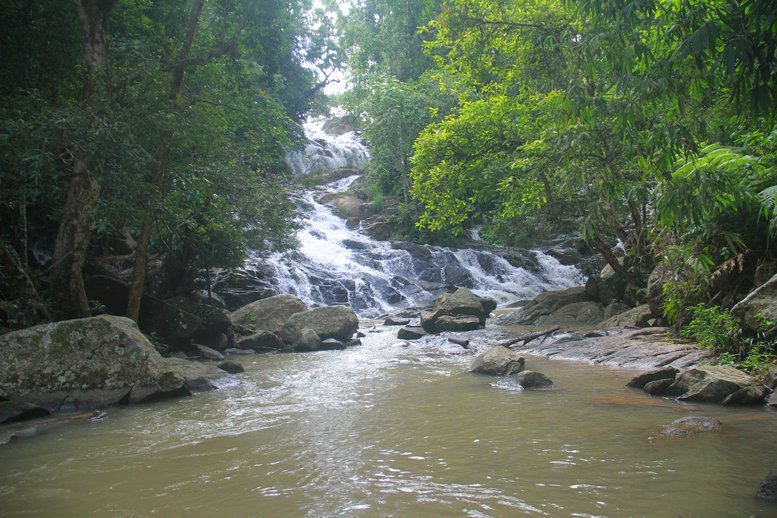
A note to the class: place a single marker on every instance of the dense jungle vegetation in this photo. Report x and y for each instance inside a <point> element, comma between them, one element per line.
<point>153,132</point>
<point>647,123</point>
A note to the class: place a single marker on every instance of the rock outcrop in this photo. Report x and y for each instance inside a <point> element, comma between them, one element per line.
<point>707,383</point>
<point>84,363</point>
<point>569,306</point>
<point>647,348</point>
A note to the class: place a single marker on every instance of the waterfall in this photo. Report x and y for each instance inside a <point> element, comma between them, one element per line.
<point>324,152</point>
<point>338,265</point>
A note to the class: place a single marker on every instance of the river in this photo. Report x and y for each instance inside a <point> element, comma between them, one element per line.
<point>386,429</point>
<point>391,428</point>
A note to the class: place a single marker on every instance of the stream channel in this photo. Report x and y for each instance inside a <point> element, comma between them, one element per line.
<point>391,428</point>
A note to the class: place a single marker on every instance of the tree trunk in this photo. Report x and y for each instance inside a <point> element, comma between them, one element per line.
<point>158,175</point>
<point>613,261</point>
<point>75,229</point>
<point>157,180</point>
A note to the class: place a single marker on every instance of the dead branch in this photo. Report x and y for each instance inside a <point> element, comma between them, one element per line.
<point>529,337</point>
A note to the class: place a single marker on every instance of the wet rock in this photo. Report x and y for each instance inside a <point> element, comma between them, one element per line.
<point>339,322</point>
<point>231,367</point>
<point>497,361</point>
<point>306,340</point>
<point>420,252</point>
<point>457,276</point>
<point>758,307</point>
<point>198,377</point>
<point>748,395</point>
<point>456,324</point>
<point>268,314</point>
<point>395,321</point>
<point>643,379</point>
<point>88,362</point>
<point>487,306</point>
<point>207,353</point>
<point>245,286</point>
<point>411,333</point>
<point>330,344</point>
<point>531,380</point>
<point>658,387</point>
<point>13,411</point>
<point>768,489</point>
<point>691,425</point>
<point>714,384</point>
<point>261,341</point>
<point>461,303</point>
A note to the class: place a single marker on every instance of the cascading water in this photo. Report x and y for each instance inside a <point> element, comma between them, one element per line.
<point>336,265</point>
<point>324,152</point>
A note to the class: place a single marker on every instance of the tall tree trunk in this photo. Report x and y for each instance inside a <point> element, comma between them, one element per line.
<point>75,229</point>
<point>158,174</point>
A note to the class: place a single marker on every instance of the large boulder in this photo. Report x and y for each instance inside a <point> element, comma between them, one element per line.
<point>717,384</point>
<point>664,373</point>
<point>451,312</point>
<point>83,363</point>
<point>497,361</point>
<point>541,310</point>
<point>338,322</point>
<point>758,308</point>
<point>268,314</point>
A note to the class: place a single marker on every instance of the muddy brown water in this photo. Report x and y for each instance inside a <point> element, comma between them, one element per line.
<point>392,430</point>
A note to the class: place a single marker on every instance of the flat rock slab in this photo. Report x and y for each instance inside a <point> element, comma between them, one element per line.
<point>648,348</point>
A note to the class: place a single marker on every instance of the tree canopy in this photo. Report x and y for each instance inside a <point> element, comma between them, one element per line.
<point>161,125</point>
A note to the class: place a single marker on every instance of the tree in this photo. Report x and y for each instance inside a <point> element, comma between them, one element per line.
<point>163,123</point>
<point>75,228</point>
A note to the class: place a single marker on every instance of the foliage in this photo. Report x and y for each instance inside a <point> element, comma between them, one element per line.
<point>715,329</point>
<point>223,188</point>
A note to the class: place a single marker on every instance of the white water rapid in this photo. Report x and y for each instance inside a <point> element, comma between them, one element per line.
<point>324,152</point>
<point>336,265</point>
